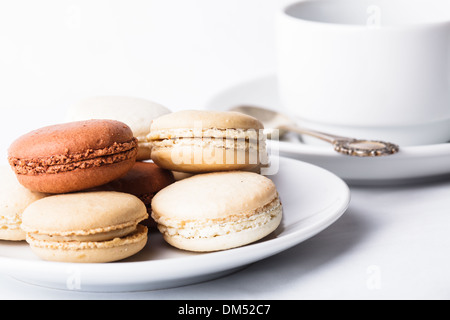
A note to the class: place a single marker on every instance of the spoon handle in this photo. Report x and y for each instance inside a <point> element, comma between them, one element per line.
<point>317,134</point>
<point>349,146</point>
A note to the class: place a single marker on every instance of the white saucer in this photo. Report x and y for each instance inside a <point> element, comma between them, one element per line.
<point>312,198</point>
<point>411,164</point>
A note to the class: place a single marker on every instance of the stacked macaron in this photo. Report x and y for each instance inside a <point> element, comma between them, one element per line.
<point>135,112</point>
<point>226,203</point>
<point>88,227</point>
<point>55,201</point>
<point>73,156</point>
<point>14,199</point>
<point>207,141</point>
<point>144,180</point>
<point>217,211</point>
<point>91,189</point>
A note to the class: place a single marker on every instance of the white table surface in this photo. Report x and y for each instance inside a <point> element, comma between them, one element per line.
<point>392,243</point>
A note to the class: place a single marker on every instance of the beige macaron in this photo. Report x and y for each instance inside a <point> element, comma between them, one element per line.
<point>90,227</point>
<point>137,113</point>
<point>14,199</point>
<point>196,141</point>
<point>217,211</point>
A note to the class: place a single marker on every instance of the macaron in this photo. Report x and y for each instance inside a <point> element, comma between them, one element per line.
<point>73,156</point>
<point>144,180</point>
<point>137,113</point>
<point>196,141</point>
<point>88,227</point>
<point>217,211</point>
<point>14,199</point>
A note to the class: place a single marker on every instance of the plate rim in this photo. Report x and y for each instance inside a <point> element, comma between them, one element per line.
<point>408,152</point>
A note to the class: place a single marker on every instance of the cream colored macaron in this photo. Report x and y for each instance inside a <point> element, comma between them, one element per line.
<point>135,112</point>
<point>217,211</point>
<point>14,199</point>
<point>89,227</point>
<point>205,141</point>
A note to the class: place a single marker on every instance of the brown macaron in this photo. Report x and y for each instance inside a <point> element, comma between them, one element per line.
<point>144,180</point>
<point>73,156</point>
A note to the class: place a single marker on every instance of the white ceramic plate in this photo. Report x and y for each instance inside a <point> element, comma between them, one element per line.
<point>411,164</point>
<point>312,197</point>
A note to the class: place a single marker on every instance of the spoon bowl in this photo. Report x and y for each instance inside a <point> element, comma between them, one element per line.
<point>271,120</point>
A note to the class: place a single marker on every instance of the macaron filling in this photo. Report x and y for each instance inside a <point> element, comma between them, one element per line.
<point>207,142</point>
<point>103,236</point>
<point>137,235</point>
<point>116,153</point>
<point>224,138</point>
<point>96,234</point>
<point>250,134</point>
<point>210,146</point>
<point>10,223</point>
<point>10,228</point>
<point>142,142</point>
<point>210,228</point>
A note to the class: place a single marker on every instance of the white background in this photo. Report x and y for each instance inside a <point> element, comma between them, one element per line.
<point>392,243</point>
<point>176,52</point>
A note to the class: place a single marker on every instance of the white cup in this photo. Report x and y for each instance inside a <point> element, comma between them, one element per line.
<point>377,69</point>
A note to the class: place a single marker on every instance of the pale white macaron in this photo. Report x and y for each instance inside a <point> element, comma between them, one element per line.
<point>217,211</point>
<point>88,227</point>
<point>137,113</point>
<point>14,199</point>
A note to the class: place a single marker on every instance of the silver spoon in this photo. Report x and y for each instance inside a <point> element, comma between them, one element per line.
<point>273,120</point>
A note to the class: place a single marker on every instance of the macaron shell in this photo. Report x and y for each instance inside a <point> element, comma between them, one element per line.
<point>144,152</point>
<point>14,199</point>
<point>9,234</point>
<point>195,159</point>
<point>145,178</point>
<point>76,180</point>
<point>205,119</point>
<point>73,156</point>
<point>137,113</point>
<point>70,138</point>
<point>205,141</point>
<point>181,175</point>
<point>83,213</point>
<point>92,252</point>
<point>217,195</point>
